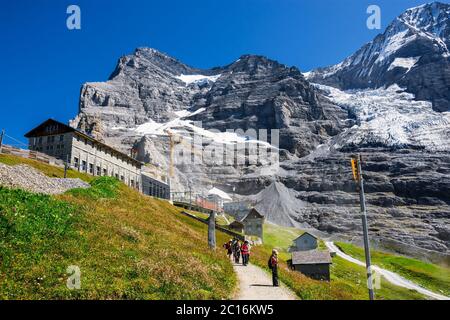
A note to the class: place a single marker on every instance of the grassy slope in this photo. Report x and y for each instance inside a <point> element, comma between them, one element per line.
<point>127,246</point>
<point>49,170</point>
<point>348,281</point>
<point>429,275</point>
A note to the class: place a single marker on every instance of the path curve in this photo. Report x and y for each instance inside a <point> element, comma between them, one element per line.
<point>256,284</point>
<point>390,276</point>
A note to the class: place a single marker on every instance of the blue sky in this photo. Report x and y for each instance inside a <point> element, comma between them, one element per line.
<point>44,64</point>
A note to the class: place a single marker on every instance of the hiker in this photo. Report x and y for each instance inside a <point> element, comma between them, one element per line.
<point>237,251</point>
<point>273,265</point>
<point>233,247</point>
<point>228,247</point>
<point>245,251</point>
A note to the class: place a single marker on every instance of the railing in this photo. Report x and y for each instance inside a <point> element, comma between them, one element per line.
<point>35,155</point>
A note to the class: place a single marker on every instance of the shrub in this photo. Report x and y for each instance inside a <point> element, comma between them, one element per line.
<point>101,188</point>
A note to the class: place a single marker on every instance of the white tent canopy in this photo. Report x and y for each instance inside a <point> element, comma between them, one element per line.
<point>221,194</point>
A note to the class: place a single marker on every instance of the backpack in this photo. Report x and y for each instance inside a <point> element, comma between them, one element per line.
<point>269,263</point>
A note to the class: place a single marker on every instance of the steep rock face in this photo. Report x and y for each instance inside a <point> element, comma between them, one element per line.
<point>413,52</point>
<point>407,196</point>
<point>252,93</point>
<point>143,86</point>
<point>151,96</point>
<point>257,93</point>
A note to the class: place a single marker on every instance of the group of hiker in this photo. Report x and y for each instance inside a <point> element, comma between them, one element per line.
<point>236,250</point>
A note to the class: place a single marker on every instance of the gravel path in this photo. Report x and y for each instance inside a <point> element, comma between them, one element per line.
<point>30,179</point>
<point>256,284</point>
<point>390,276</point>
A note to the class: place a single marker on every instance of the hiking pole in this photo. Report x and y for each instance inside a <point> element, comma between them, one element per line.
<point>357,173</point>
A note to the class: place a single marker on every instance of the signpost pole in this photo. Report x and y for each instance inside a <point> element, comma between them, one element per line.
<point>357,172</point>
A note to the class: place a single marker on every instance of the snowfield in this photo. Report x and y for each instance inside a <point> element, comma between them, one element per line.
<point>181,126</point>
<point>391,117</point>
<point>197,78</point>
<point>406,63</point>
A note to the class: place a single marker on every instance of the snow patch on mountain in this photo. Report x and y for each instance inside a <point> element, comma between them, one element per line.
<point>393,43</point>
<point>405,63</point>
<point>184,127</point>
<point>197,78</point>
<point>391,117</point>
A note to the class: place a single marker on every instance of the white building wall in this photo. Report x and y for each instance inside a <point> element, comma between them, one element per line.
<point>92,158</point>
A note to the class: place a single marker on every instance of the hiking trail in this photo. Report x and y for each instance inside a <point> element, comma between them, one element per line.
<point>390,276</point>
<point>256,284</point>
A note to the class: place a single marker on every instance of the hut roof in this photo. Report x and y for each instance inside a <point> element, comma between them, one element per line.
<point>304,234</point>
<point>311,257</point>
<point>253,212</point>
<point>237,224</point>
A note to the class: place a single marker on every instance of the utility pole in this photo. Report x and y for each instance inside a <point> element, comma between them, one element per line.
<point>357,174</point>
<point>212,230</point>
<point>1,139</point>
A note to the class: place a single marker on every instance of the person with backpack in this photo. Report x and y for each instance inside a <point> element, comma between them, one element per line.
<point>273,265</point>
<point>245,251</point>
<point>233,247</point>
<point>228,247</point>
<point>237,251</point>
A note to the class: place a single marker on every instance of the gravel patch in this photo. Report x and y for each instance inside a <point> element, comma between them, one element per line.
<point>30,179</point>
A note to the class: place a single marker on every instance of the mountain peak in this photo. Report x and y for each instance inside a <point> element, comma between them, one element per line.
<point>432,17</point>
<point>413,52</point>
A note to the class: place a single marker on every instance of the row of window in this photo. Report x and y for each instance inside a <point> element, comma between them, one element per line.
<point>157,191</point>
<point>103,149</point>
<point>48,139</point>
<point>98,171</point>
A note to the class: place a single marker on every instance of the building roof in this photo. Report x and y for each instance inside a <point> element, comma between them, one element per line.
<point>64,128</point>
<point>253,212</point>
<point>304,234</point>
<point>236,223</point>
<point>222,194</point>
<point>311,257</point>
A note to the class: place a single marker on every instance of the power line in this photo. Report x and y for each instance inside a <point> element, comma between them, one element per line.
<point>14,139</point>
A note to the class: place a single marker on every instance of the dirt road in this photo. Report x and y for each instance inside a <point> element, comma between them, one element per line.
<point>390,276</point>
<point>256,284</point>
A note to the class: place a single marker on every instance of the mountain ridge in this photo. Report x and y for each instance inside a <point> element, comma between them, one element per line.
<point>402,139</point>
<point>420,34</point>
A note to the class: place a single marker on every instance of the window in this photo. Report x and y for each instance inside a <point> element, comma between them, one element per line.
<point>40,140</point>
<point>61,138</point>
<point>105,172</point>
<point>99,171</point>
<point>122,178</point>
<point>91,168</point>
<point>117,176</point>
<point>83,165</point>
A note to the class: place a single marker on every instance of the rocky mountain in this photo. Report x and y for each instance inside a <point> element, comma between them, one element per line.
<point>251,93</point>
<point>413,53</point>
<point>395,116</point>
